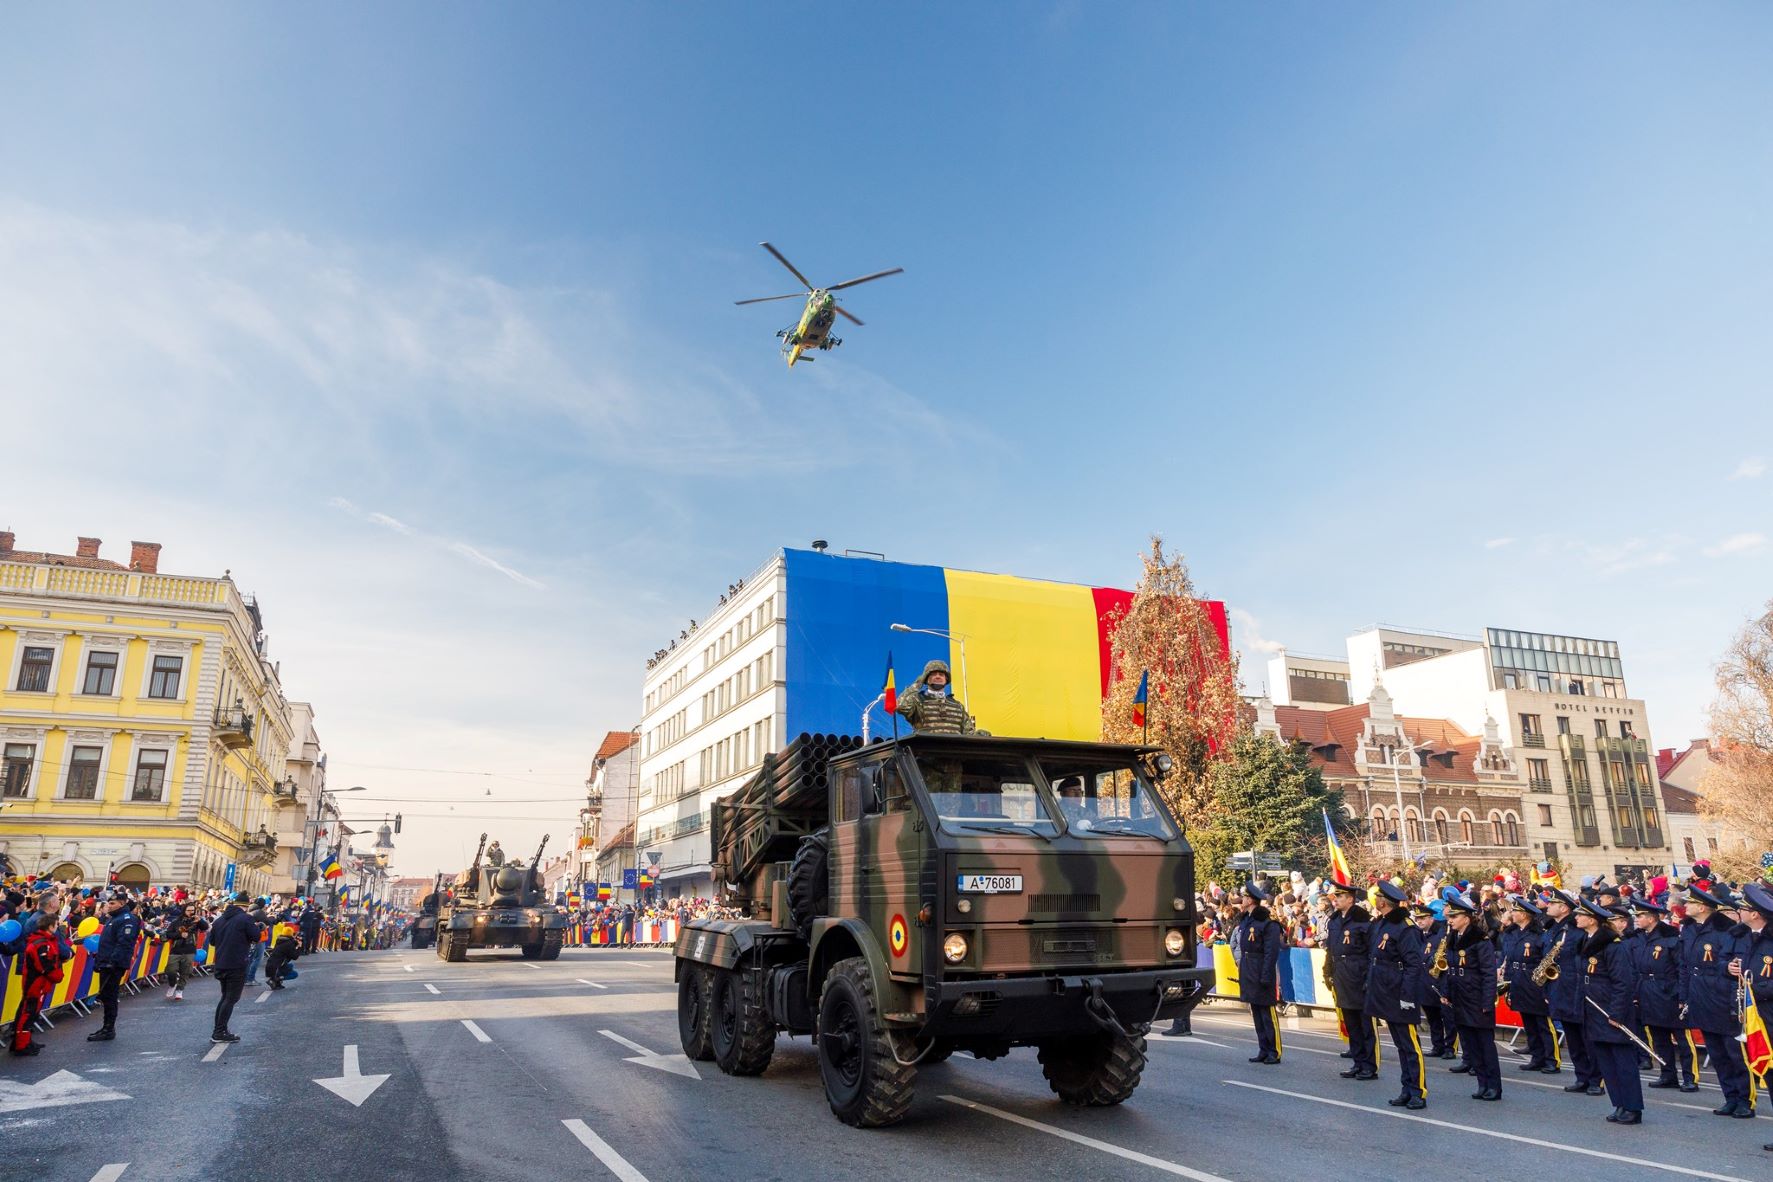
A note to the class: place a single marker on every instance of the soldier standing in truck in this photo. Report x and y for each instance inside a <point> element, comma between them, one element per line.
<point>932,709</point>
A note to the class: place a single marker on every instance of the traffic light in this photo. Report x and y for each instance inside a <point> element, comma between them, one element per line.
<point>397,822</point>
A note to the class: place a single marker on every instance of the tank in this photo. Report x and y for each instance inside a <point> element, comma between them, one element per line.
<point>424,925</point>
<point>499,907</point>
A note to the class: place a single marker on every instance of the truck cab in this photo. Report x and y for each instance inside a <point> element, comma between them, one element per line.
<point>979,894</point>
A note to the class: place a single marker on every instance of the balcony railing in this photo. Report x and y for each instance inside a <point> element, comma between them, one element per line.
<point>1532,739</point>
<point>1540,783</point>
<point>285,794</point>
<point>1573,746</point>
<point>233,727</point>
<point>259,850</point>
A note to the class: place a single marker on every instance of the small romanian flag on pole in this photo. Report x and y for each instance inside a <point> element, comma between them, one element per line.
<point>330,868</point>
<point>603,890</point>
<point>1338,863</point>
<point>1140,698</point>
<point>891,693</point>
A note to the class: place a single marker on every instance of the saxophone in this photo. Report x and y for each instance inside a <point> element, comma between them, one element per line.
<point>1440,958</point>
<point>1547,969</point>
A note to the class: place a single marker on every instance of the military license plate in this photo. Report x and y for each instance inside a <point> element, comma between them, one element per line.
<point>991,884</point>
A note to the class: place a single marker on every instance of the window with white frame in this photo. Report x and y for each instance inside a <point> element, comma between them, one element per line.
<point>17,760</point>
<point>165,675</point>
<point>101,673</point>
<point>150,775</point>
<point>83,773</point>
<point>33,669</point>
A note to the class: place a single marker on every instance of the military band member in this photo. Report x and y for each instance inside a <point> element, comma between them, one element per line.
<point>1346,957</point>
<point>1608,983</point>
<point>1394,951</point>
<point>1523,947</point>
<point>1708,995</point>
<point>1256,946</point>
<point>1564,996</point>
<point>1426,992</point>
<point>1756,951</point>
<point>1655,950</point>
<point>1471,992</point>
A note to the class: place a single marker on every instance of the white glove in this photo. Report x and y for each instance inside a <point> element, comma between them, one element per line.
<point>1406,1005</point>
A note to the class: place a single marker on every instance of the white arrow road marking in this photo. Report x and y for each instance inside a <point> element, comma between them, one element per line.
<point>409,968</point>
<point>593,984</point>
<point>55,1091</point>
<point>675,1064</point>
<point>353,1085</point>
<point>476,1031</point>
<point>617,1164</point>
<point>433,988</point>
<point>215,1052</point>
<point>1156,1163</point>
<point>111,1172</point>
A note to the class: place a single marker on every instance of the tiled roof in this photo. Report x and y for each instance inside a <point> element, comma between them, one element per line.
<point>624,836</point>
<point>44,558</point>
<point>1679,800</point>
<point>617,742</point>
<point>1322,728</point>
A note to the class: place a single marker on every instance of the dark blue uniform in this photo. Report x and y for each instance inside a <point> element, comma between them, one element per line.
<point>1394,951</point>
<point>1256,945</point>
<point>1426,993</point>
<point>1470,981</point>
<point>1656,959</point>
<point>1708,992</point>
<point>1564,999</point>
<point>1609,983</point>
<point>116,950</point>
<point>1346,951</point>
<point>1522,950</point>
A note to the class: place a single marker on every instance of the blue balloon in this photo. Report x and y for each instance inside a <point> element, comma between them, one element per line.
<point>91,943</point>
<point>202,956</point>
<point>9,931</point>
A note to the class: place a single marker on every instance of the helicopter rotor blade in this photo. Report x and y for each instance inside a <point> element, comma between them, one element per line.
<point>792,269</point>
<point>847,315</point>
<point>794,295</point>
<point>865,279</point>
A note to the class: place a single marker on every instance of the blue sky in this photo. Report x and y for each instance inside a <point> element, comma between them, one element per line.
<point>419,319</point>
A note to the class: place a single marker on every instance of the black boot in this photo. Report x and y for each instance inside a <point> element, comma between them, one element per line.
<point>102,1034</point>
<point>1179,1029</point>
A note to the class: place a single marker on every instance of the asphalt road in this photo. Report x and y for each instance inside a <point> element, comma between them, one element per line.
<point>505,1069</point>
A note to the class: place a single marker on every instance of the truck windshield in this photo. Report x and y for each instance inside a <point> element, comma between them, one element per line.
<point>974,792</point>
<point>1104,797</point>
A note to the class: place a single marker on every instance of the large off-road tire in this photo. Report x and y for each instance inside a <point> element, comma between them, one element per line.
<point>1093,1070</point>
<point>809,881</point>
<point>692,1012</point>
<point>531,951</point>
<point>551,945</point>
<point>739,1029</point>
<point>866,1086</point>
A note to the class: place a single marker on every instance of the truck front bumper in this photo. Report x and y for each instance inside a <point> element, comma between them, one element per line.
<point>1027,1009</point>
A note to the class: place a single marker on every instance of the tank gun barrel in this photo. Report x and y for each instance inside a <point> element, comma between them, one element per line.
<point>535,864</point>
<point>479,850</point>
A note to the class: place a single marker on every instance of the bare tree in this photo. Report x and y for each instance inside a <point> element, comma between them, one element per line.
<point>1737,791</point>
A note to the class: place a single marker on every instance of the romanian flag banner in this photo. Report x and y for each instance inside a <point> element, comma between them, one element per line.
<point>1338,863</point>
<point>891,693</point>
<point>1758,1049</point>
<point>604,890</point>
<point>1140,698</point>
<point>646,879</point>
<point>344,896</point>
<point>330,868</point>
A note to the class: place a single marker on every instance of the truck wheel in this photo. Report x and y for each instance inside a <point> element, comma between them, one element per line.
<point>865,1085</point>
<point>809,881</point>
<point>531,951</point>
<point>739,1029</point>
<point>692,1012</point>
<point>1093,1070</point>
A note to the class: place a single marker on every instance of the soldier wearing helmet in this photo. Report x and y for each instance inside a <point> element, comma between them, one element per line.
<point>931,708</point>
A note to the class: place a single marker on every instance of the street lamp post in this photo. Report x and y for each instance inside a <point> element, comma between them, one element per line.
<point>960,640</point>
<point>1397,786</point>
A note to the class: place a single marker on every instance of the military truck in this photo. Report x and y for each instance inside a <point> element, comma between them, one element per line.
<point>500,907</point>
<point>424,924</point>
<point>911,898</point>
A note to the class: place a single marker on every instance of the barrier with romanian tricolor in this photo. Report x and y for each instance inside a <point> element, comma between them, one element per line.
<point>79,977</point>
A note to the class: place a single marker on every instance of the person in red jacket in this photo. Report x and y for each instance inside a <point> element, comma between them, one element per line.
<point>42,968</point>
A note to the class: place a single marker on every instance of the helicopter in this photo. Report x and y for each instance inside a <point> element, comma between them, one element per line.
<point>822,309</point>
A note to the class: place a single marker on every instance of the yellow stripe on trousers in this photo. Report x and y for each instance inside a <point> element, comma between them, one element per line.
<point>1421,1064</point>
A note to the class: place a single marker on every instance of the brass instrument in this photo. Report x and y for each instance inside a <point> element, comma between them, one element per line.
<point>1547,969</point>
<point>1439,964</point>
<point>1742,1000</point>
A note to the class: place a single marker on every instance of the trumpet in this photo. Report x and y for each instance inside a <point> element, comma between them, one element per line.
<point>1547,969</point>
<point>1741,1003</point>
<point>1439,965</point>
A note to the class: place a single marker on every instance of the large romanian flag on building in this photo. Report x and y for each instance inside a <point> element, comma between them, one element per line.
<point>1338,863</point>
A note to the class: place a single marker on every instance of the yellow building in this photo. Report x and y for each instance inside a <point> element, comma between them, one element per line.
<point>142,727</point>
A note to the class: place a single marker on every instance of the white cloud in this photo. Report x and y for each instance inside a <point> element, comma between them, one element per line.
<point>1498,543</point>
<point>452,545</point>
<point>1752,468</point>
<point>1744,543</point>
<point>1617,558</point>
<point>1249,632</point>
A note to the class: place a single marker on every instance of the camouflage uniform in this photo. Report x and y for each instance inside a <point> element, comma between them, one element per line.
<point>933,713</point>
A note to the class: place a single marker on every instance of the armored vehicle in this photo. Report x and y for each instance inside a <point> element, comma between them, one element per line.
<point>500,907</point>
<point>424,924</point>
<point>911,898</point>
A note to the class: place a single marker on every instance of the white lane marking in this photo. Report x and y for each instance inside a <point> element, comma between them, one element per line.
<point>1533,1083</point>
<point>593,984</point>
<point>433,988</point>
<point>409,968</point>
<point>527,965</point>
<point>262,998</point>
<point>1156,1163</point>
<point>476,1031</point>
<point>111,1172</point>
<point>1189,1038</point>
<point>617,1164</point>
<point>215,1052</point>
<point>1497,1133</point>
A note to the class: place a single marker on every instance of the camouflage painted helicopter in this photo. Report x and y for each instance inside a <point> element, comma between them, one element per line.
<point>822,310</point>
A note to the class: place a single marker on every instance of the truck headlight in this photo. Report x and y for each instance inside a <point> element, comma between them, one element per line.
<point>1174,942</point>
<point>954,948</point>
